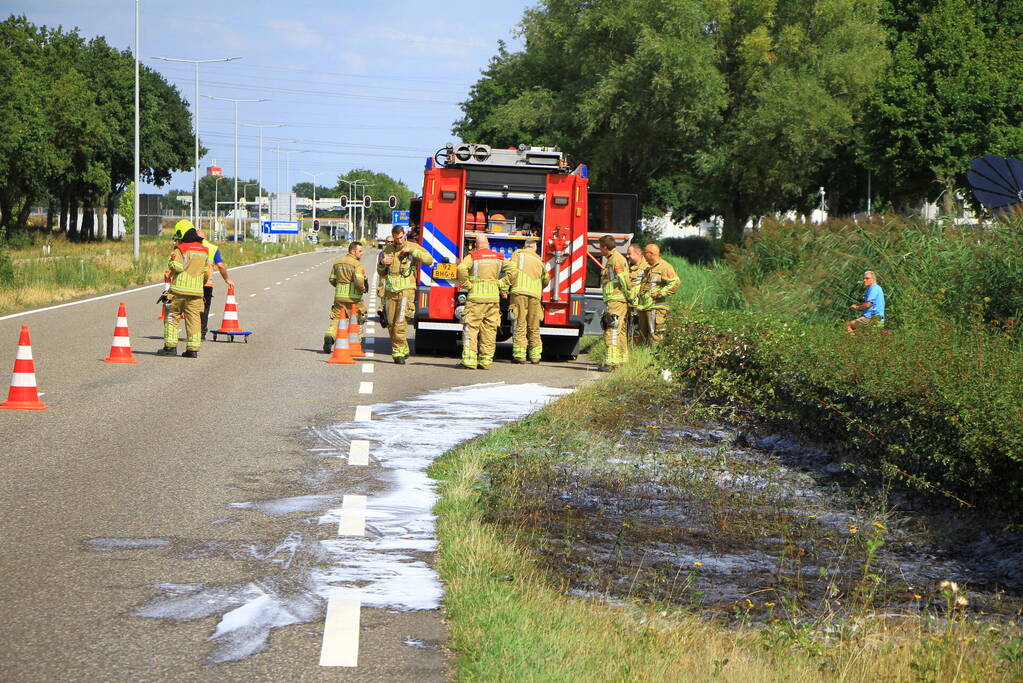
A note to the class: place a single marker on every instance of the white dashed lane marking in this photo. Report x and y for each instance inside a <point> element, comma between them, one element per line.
<point>365,387</point>
<point>363,413</point>
<point>252,295</point>
<point>367,368</point>
<point>369,354</point>
<point>341,630</point>
<point>358,452</point>
<point>353,516</point>
<point>278,283</point>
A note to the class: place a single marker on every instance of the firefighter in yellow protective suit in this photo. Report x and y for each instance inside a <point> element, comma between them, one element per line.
<point>188,274</point>
<point>637,266</point>
<point>479,274</point>
<point>399,265</point>
<point>527,276</point>
<point>614,285</point>
<point>658,283</point>
<point>348,278</point>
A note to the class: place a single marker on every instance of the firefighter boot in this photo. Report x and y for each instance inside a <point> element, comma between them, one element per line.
<point>328,343</point>
<point>168,351</point>
<point>190,353</point>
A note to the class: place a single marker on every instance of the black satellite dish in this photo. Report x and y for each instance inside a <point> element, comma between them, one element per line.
<point>997,182</point>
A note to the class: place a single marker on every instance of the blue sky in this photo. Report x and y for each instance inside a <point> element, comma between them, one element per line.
<point>358,84</point>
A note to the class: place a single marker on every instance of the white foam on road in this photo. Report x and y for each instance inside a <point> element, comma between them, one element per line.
<point>405,437</point>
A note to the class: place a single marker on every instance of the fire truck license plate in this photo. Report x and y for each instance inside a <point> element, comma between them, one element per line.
<point>445,271</point>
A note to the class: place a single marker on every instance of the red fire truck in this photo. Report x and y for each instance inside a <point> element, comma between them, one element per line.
<point>511,196</point>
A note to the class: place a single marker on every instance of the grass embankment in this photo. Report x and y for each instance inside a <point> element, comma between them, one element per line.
<point>29,277</point>
<point>932,401</point>
<point>503,523</point>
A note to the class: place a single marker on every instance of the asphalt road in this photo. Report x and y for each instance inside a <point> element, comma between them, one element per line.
<point>144,491</point>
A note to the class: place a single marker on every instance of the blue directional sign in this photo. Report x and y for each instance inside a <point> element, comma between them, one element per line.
<point>280,227</point>
<point>399,218</point>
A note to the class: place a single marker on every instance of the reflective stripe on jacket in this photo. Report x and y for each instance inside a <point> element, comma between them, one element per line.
<point>527,273</point>
<point>658,278</point>
<point>211,254</point>
<point>403,272</point>
<point>349,279</point>
<point>188,264</point>
<point>614,279</point>
<point>478,274</point>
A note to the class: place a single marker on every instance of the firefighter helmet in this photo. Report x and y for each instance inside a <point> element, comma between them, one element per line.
<point>181,227</point>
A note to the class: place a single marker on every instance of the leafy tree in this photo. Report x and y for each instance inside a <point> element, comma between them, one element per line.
<point>722,107</point>
<point>951,93</point>
<point>379,186</point>
<point>67,122</point>
<point>126,208</point>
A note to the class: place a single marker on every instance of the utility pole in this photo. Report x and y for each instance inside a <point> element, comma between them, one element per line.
<point>261,126</point>
<point>236,101</point>
<point>314,176</point>
<point>138,179</point>
<point>195,125</point>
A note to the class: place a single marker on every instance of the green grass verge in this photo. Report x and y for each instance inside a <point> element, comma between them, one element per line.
<point>29,277</point>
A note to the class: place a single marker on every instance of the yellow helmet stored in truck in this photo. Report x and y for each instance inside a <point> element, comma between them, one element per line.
<point>181,227</point>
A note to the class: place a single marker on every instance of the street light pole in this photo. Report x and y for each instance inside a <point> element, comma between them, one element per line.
<point>135,214</point>
<point>195,124</point>
<point>314,176</point>
<point>261,126</point>
<point>216,198</point>
<point>287,179</point>
<point>236,101</point>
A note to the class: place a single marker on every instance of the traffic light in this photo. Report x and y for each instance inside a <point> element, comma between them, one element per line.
<point>367,202</point>
<point>344,202</point>
<point>392,202</point>
<point>316,226</point>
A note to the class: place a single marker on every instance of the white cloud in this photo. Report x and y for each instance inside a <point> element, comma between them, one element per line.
<point>353,62</point>
<point>296,33</point>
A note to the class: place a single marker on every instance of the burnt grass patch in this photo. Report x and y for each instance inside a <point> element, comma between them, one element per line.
<point>662,504</point>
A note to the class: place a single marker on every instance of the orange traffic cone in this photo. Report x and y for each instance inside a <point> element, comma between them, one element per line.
<point>120,349</point>
<point>354,336</point>
<point>342,354</point>
<point>230,323</point>
<point>24,394</point>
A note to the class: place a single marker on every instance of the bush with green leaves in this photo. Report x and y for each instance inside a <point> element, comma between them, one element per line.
<point>932,399</point>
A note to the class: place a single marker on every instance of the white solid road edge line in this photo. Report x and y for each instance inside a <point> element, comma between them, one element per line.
<point>358,452</point>
<point>341,629</point>
<point>127,291</point>
<point>365,387</point>
<point>353,516</point>
<point>363,413</point>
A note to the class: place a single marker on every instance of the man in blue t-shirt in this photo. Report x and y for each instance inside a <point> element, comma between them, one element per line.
<point>872,307</point>
<point>216,260</point>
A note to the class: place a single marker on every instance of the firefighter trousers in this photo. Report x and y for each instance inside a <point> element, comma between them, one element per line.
<point>340,310</point>
<point>526,313</point>
<point>616,336</point>
<point>190,308</point>
<point>396,308</point>
<point>207,304</point>
<point>651,325</point>
<point>479,332</point>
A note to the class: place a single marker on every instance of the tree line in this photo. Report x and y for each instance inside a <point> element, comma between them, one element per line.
<point>67,127</point>
<point>738,108</point>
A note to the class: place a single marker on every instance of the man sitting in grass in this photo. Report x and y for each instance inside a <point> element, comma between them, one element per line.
<point>872,306</point>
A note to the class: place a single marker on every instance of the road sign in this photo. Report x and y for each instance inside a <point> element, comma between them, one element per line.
<point>280,227</point>
<point>399,218</point>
